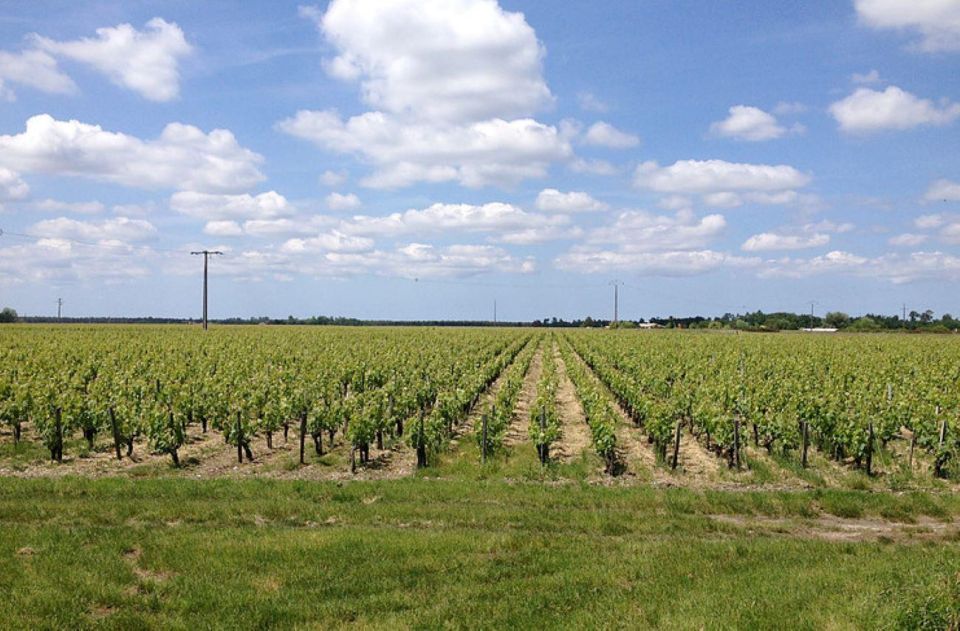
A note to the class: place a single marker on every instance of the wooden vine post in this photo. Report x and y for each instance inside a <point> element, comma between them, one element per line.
<point>870,448</point>
<point>303,434</point>
<point>806,442</point>
<point>736,442</point>
<point>239,439</point>
<point>676,446</point>
<point>116,432</point>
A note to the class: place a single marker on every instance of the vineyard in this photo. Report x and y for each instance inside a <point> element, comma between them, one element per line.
<point>301,477</point>
<point>384,403</point>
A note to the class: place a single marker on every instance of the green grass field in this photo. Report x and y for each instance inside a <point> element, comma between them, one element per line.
<point>178,553</point>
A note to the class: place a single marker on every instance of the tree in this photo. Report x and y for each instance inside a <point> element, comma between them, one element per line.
<point>8,315</point>
<point>926,317</point>
<point>864,325</point>
<point>837,319</point>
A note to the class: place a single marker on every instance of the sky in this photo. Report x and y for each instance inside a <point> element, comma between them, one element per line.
<point>422,159</point>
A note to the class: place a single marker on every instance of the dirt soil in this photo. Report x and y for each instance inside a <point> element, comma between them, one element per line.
<point>517,432</point>
<point>576,436</point>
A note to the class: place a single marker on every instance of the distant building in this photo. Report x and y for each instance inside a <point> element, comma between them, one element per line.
<point>821,329</point>
<point>649,325</point>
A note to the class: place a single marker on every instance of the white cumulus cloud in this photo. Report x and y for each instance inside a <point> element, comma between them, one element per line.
<point>146,61</point>
<point>773,241</point>
<point>221,207</point>
<point>748,123</point>
<point>552,200</point>
<point>454,84</point>
<point>936,21</point>
<point>488,152</point>
<point>33,68</point>
<point>606,135</point>
<point>943,190</point>
<point>12,187</point>
<point>182,157</point>
<point>724,184</point>
<point>340,201</point>
<point>869,110</point>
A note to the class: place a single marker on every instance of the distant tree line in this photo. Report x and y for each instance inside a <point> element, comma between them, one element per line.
<point>921,322</point>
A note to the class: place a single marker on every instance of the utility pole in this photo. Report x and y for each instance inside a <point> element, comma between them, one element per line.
<point>904,312</point>
<point>494,311</point>
<point>206,255</point>
<point>812,303</point>
<point>59,308</point>
<point>616,301</point>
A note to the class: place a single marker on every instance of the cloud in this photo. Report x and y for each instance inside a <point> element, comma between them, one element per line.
<point>680,263</point>
<point>929,222</point>
<point>478,154</point>
<point>143,61</point>
<point>223,228</point>
<point>59,261</point>
<point>789,108</point>
<point>338,201</point>
<point>418,260</point>
<point>453,61</point>
<point>773,241</point>
<point>643,231</point>
<point>277,227</point>
<point>333,241</point>
<point>936,21</point>
<point>943,190</point>
<point>182,157</point>
<point>724,184</point>
<point>218,207</point>
<point>605,135</point>
<point>495,217</point>
<point>895,268</point>
<point>868,110</point>
<point>950,233</point>
<point>552,200</point>
<point>12,187</point>
<point>454,85</point>
<point>867,78</point>
<point>588,102</point>
<point>828,226</point>
<point>645,243</point>
<point>907,239</point>
<point>748,123</point>
<point>33,68</point>
<point>331,179</point>
<point>120,229</point>
<point>80,208</point>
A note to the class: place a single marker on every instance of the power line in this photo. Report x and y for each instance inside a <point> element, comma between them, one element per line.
<point>90,244</point>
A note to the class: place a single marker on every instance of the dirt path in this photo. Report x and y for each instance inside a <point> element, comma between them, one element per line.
<point>517,432</point>
<point>576,436</point>
<point>635,453</point>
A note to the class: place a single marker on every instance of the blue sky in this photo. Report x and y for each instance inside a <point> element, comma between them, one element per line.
<point>422,158</point>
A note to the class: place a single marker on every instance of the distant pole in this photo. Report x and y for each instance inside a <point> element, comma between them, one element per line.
<point>206,255</point>
<point>59,308</point>
<point>494,311</point>
<point>904,312</point>
<point>812,303</point>
<point>616,301</point>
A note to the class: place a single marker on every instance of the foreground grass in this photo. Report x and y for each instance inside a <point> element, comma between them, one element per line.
<point>177,553</point>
